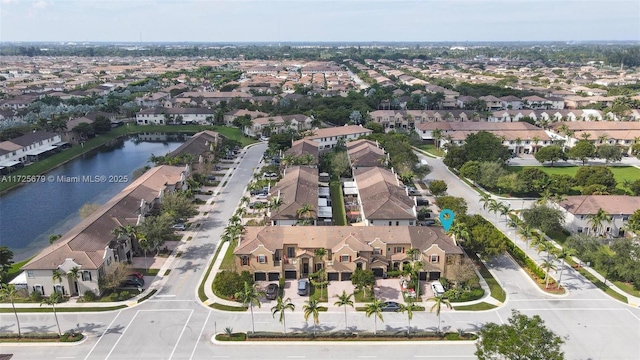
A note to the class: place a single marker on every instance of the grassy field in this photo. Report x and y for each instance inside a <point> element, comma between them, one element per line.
<point>58,159</point>
<point>475,307</point>
<point>621,173</point>
<point>431,148</point>
<point>337,204</point>
<point>628,288</point>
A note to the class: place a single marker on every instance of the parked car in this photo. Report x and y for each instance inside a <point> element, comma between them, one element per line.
<point>272,291</point>
<point>264,138</point>
<point>211,178</point>
<point>390,306</point>
<point>437,288</point>
<point>427,222</point>
<point>262,196</point>
<point>414,192</point>
<point>257,192</point>
<point>217,168</point>
<point>133,281</point>
<point>269,175</point>
<point>137,275</point>
<point>179,227</point>
<point>303,287</point>
<point>420,201</point>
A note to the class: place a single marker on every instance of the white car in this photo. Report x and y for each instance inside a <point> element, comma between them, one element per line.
<point>437,288</point>
<point>262,196</point>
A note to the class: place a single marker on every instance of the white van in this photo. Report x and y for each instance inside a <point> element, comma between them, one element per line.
<point>424,162</point>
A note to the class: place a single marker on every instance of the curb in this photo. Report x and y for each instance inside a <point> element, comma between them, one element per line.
<point>45,343</point>
<point>339,343</point>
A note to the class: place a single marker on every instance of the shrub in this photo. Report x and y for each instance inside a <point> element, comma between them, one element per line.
<point>70,336</point>
<point>89,296</point>
<point>35,296</point>
<point>394,273</point>
<point>124,295</point>
<point>227,283</point>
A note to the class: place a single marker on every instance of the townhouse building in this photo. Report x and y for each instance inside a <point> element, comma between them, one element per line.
<point>328,138</point>
<point>579,210</point>
<point>90,248</point>
<point>165,116</point>
<point>28,148</point>
<point>264,126</point>
<point>297,189</point>
<point>275,251</point>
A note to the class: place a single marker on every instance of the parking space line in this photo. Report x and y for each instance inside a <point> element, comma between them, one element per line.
<point>200,335</point>
<point>181,333</point>
<point>102,336</point>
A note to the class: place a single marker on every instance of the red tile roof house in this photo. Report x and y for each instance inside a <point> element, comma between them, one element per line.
<point>91,247</point>
<point>578,211</point>
<point>327,138</point>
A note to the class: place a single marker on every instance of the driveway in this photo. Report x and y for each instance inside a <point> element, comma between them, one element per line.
<point>388,290</point>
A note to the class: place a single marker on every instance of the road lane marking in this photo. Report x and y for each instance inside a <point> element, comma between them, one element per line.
<point>296,357</point>
<point>121,335</point>
<point>181,333</point>
<point>632,314</point>
<point>221,356</point>
<point>367,356</point>
<point>165,296</point>
<point>499,317</point>
<point>200,335</point>
<point>102,336</point>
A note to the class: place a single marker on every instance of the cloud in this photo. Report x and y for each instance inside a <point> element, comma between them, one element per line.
<point>40,5</point>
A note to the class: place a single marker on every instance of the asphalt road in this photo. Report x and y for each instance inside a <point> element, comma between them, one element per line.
<point>175,325</point>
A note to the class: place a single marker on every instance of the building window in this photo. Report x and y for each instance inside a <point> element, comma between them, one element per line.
<point>377,251</point>
<point>262,259</point>
<point>390,223</point>
<point>39,289</point>
<point>410,223</point>
<point>398,249</point>
<point>30,274</point>
<point>435,258</point>
<point>345,258</point>
<point>291,252</point>
<point>86,276</point>
<point>245,260</point>
<point>397,223</point>
<point>59,289</point>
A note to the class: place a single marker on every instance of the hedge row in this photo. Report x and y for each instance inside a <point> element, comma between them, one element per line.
<point>30,336</point>
<point>523,259</point>
<point>367,335</point>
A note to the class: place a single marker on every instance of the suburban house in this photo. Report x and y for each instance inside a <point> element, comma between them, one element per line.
<point>297,188</point>
<point>90,246</point>
<point>519,137</point>
<point>230,116</point>
<point>263,126</point>
<point>328,138</point>
<point>579,210</point>
<point>274,251</point>
<point>511,102</point>
<point>28,148</point>
<point>408,119</point>
<point>153,99</point>
<point>365,153</point>
<point>381,199</point>
<point>304,147</point>
<point>164,116</point>
<point>493,103</point>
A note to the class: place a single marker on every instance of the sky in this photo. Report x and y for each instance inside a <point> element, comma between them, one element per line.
<point>278,21</point>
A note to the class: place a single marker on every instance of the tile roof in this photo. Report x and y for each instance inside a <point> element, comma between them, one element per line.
<point>339,131</point>
<point>299,186</point>
<point>611,204</point>
<point>302,147</point>
<point>198,144</point>
<point>382,197</point>
<point>365,153</point>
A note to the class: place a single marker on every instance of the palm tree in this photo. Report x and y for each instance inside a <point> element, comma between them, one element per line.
<point>56,277</point>
<point>598,219</point>
<point>9,293</point>
<point>409,308</point>
<point>52,300</point>
<point>485,200</point>
<point>494,207</point>
<point>547,266</point>
<point>514,222</point>
<point>274,204</point>
<point>321,253</point>
<point>73,276</point>
<point>563,253</point>
<point>280,307</point>
<point>459,231</point>
<point>375,308</point>
<point>244,200</point>
<point>439,301</point>
<point>585,136</point>
<point>526,232</point>
<point>436,134</point>
<point>312,308</point>
<point>536,141</point>
<point>518,141</point>
<point>305,212</point>
<point>250,296</point>
<point>504,209</point>
<point>145,246</point>
<point>344,300</point>
<point>545,246</point>
<point>603,138</point>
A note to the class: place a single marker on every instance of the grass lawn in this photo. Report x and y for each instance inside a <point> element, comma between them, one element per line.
<point>358,296</point>
<point>559,236</point>
<point>431,148</point>
<point>496,290</point>
<point>228,260</point>
<point>620,173</point>
<point>317,293</point>
<point>337,204</point>
<point>14,270</point>
<point>599,284</point>
<point>233,337</point>
<point>627,287</point>
<point>227,307</point>
<point>475,307</point>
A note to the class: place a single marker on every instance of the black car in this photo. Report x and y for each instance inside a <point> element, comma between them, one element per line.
<point>390,306</point>
<point>133,280</point>
<point>258,192</point>
<point>420,201</point>
<point>272,291</point>
<point>427,223</point>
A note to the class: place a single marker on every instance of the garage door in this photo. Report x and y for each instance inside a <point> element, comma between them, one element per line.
<point>378,272</point>
<point>422,276</point>
<point>274,276</point>
<point>260,276</point>
<point>333,276</point>
<point>290,274</point>
<point>345,276</point>
<point>435,275</point>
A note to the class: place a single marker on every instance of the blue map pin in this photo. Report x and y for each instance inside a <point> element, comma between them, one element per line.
<point>446,218</point>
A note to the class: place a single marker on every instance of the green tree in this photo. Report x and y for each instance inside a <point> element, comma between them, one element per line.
<point>375,308</point>
<point>409,308</point>
<point>598,220</point>
<point>438,187</point>
<point>178,206</point>
<point>522,338</point>
<point>312,308</point>
<point>471,170</point>
<point>53,299</point>
<point>544,218</point>
<point>340,165</point>
<point>531,178</point>
<point>455,204</point>
<point>363,279</point>
<point>563,254</point>
<point>485,146</point>
<point>596,175</point>
<point>101,125</point>
<point>609,153</point>
<point>489,172</point>
<point>9,293</point>
<point>437,306</point>
<point>320,253</point>
<point>280,308</point>
<point>456,156</point>
<point>582,150</point>
<point>437,135</point>
<point>53,238</point>
<point>250,296</point>
<point>551,153</point>
<point>227,283</point>
<point>6,260</point>
<point>157,230</point>
<point>344,300</point>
